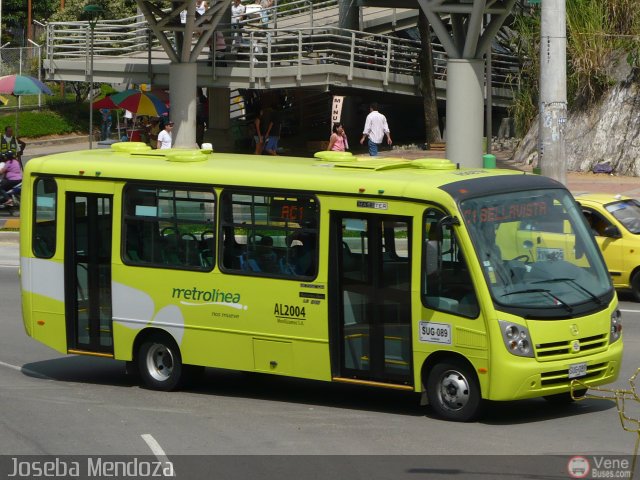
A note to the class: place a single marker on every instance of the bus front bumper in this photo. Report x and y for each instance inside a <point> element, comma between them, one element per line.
<point>519,378</point>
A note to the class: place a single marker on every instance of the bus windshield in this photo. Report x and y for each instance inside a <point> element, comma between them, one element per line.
<point>536,253</point>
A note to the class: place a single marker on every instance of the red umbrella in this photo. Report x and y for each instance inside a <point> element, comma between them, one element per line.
<point>105,102</point>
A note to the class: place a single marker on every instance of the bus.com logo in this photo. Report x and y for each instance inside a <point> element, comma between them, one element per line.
<point>578,467</point>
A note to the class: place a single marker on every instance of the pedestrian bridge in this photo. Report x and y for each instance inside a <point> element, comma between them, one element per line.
<point>312,53</point>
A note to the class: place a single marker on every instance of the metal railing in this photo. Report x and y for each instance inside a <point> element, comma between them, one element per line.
<point>111,38</point>
<point>257,47</point>
<point>272,48</point>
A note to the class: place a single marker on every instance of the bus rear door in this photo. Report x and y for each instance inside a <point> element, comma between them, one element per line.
<point>88,230</point>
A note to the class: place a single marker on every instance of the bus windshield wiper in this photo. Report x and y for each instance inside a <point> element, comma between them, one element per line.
<point>541,290</point>
<point>575,285</point>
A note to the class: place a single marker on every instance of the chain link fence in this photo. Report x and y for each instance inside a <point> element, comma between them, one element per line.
<point>22,61</point>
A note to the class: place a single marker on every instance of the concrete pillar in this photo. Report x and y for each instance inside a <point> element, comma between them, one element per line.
<point>465,109</point>
<point>183,80</point>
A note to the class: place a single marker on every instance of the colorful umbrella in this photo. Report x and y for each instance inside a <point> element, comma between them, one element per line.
<point>105,102</point>
<point>140,103</point>
<point>22,85</point>
<point>18,85</point>
<point>161,94</point>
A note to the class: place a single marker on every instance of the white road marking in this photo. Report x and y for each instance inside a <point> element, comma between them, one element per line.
<point>28,371</point>
<point>155,448</point>
<point>629,311</point>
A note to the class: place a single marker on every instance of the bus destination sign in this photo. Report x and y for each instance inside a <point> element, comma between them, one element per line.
<point>507,212</point>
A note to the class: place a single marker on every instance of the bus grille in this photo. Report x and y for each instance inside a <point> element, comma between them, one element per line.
<point>560,350</point>
<point>561,377</point>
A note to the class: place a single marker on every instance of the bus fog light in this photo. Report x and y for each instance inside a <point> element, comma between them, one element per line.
<point>516,339</point>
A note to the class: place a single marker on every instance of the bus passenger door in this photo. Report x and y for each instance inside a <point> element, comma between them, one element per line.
<point>87,266</point>
<point>370,328</point>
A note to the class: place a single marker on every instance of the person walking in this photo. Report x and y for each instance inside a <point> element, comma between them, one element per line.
<point>238,11</point>
<point>164,137</point>
<point>273,125</point>
<point>105,131</point>
<point>264,13</point>
<point>338,140</point>
<point>375,129</point>
<point>259,130</point>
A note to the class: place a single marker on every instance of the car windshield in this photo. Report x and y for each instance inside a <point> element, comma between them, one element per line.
<point>628,214</point>
<point>536,252</point>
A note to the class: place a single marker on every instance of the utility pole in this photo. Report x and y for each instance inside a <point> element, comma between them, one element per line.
<point>29,20</point>
<point>553,90</point>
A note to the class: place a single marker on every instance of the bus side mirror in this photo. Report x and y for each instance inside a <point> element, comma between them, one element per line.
<point>612,231</point>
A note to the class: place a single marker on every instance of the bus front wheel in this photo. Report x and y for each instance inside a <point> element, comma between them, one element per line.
<point>453,391</point>
<point>160,364</point>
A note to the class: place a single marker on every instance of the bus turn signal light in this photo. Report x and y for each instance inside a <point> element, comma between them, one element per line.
<point>40,322</point>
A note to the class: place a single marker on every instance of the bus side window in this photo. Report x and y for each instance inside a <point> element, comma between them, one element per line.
<point>169,226</point>
<point>272,234</point>
<point>447,283</point>
<point>44,218</point>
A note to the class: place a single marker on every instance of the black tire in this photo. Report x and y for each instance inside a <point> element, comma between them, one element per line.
<point>453,391</point>
<point>635,286</point>
<point>160,364</point>
<point>565,398</point>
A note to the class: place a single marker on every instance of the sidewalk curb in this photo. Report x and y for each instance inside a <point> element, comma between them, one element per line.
<point>9,224</point>
<point>55,141</point>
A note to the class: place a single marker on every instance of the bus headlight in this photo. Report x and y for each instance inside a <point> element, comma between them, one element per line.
<point>516,339</point>
<point>616,326</point>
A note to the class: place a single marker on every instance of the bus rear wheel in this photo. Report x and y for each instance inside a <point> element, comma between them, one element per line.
<point>453,391</point>
<point>160,364</point>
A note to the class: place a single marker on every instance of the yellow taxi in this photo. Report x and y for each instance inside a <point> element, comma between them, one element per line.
<point>615,223</point>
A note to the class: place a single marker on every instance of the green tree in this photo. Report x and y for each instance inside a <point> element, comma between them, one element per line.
<point>14,15</point>
<point>111,9</point>
<point>599,33</point>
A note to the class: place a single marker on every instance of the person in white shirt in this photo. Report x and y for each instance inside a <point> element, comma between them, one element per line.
<point>164,137</point>
<point>201,7</point>
<point>238,11</point>
<point>375,128</point>
<point>128,119</point>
